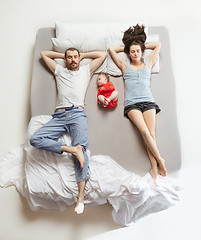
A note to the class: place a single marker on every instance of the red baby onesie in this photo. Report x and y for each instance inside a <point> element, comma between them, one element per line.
<point>106,90</point>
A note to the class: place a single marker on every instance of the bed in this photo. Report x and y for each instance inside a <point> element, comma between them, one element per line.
<point>120,133</point>
<point>119,164</point>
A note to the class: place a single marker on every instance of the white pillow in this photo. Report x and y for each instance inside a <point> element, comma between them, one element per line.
<point>80,30</point>
<point>112,68</point>
<point>85,45</point>
<point>116,32</point>
<point>76,31</point>
<point>81,36</point>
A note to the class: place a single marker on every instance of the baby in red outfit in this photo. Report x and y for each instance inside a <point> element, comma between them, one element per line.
<point>107,95</point>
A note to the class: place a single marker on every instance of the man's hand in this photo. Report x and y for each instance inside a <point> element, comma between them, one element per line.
<point>81,56</point>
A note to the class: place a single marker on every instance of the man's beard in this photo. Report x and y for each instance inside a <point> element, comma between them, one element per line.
<point>73,66</point>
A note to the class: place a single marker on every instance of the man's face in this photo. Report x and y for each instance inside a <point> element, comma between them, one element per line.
<point>72,60</point>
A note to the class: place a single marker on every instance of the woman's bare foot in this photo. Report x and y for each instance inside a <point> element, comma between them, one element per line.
<point>79,208</point>
<point>162,168</point>
<point>79,155</point>
<point>154,174</point>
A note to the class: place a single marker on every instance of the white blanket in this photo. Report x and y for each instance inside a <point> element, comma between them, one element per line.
<point>47,181</point>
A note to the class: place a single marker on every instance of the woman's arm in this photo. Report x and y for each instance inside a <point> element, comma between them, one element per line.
<point>48,56</point>
<point>155,46</point>
<point>98,58</point>
<point>119,61</point>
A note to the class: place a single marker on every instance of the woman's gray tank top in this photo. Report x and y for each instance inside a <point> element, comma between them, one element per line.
<point>137,85</point>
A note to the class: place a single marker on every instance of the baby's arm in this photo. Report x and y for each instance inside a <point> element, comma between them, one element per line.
<point>108,87</point>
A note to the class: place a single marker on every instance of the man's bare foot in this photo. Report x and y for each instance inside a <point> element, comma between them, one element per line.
<point>76,151</point>
<point>162,168</point>
<point>79,208</point>
<point>154,174</point>
<point>79,155</point>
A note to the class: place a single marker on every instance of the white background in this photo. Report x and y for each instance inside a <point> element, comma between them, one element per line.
<point>19,22</point>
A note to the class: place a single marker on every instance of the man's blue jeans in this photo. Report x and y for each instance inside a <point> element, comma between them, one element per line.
<point>74,122</point>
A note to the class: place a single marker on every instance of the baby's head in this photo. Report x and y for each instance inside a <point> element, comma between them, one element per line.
<point>102,79</point>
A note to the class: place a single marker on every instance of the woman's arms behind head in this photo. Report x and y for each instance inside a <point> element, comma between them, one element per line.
<point>119,61</point>
<point>155,46</point>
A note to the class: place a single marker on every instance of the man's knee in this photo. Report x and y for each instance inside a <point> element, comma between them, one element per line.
<point>34,141</point>
<point>82,141</point>
<point>84,147</point>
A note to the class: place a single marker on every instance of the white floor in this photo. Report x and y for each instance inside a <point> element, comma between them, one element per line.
<point>19,22</point>
<point>179,222</point>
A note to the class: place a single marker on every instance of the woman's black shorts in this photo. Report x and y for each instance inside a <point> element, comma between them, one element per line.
<point>141,106</point>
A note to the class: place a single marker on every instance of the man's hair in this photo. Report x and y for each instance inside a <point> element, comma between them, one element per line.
<point>106,75</point>
<point>134,36</point>
<point>71,49</point>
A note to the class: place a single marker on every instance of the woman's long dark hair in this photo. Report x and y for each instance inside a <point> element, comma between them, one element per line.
<point>134,36</point>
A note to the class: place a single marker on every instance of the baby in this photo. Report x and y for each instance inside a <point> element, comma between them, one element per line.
<point>107,95</point>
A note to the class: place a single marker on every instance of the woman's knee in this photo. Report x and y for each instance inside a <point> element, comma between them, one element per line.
<point>145,133</point>
<point>153,135</point>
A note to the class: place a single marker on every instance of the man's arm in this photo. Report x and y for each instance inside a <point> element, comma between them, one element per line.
<point>48,56</point>
<point>98,58</point>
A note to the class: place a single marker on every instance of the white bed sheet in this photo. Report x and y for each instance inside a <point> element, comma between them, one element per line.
<point>47,181</point>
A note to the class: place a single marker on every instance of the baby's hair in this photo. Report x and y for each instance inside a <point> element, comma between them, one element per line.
<point>71,49</point>
<point>106,75</point>
<point>135,35</point>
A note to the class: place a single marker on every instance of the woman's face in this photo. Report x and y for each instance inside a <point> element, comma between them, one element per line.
<point>135,52</point>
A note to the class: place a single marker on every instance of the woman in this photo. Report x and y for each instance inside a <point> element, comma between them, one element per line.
<point>140,107</point>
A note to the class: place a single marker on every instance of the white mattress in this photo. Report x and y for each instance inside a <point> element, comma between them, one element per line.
<point>104,124</point>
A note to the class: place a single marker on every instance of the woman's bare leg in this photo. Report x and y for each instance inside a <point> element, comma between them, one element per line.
<point>137,117</point>
<point>150,120</point>
<point>154,166</point>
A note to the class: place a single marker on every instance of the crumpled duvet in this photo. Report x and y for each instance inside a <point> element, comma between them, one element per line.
<point>47,181</point>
